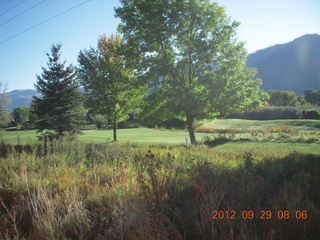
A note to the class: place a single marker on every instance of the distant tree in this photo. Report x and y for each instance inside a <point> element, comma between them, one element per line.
<point>4,101</point>
<point>108,80</point>
<point>302,100</point>
<point>312,96</point>
<point>189,53</point>
<point>57,109</point>
<point>101,121</point>
<point>21,115</point>
<point>282,98</point>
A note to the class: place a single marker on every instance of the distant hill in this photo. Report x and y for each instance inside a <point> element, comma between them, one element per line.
<point>21,98</point>
<point>293,66</point>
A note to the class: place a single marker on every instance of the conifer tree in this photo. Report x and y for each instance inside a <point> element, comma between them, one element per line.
<point>57,109</point>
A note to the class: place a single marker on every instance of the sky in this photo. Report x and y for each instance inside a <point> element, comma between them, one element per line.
<point>80,23</point>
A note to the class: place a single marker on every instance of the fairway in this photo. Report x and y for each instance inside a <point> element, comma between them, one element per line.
<point>141,136</point>
<point>149,136</point>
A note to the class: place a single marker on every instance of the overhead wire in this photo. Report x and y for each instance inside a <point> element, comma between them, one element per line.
<point>13,7</point>
<point>21,13</point>
<point>44,21</point>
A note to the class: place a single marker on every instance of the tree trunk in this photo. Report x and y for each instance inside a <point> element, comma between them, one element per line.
<point>190,120</point>
<point>115,131</point>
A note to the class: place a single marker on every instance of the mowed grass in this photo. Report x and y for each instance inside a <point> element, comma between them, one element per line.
<point>147,136</point>
<point>140,136</point>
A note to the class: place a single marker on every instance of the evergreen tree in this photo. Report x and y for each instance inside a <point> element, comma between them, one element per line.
<point>57,110</point>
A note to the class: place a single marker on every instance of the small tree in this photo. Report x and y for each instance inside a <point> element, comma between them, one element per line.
<point>190,54</point>
<point>57,110</point>
<point>21,115</point>
<point>108,80</point>
<point>282,98</point>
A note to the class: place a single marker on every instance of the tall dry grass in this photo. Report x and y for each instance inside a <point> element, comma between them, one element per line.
<point>77,191</point>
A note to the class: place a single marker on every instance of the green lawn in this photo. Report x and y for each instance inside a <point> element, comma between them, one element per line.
<point>147,136</point>
<point>142,136</point>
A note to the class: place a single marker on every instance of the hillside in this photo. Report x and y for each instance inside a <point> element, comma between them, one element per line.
<point>293,66</point>
<point>20,98</point>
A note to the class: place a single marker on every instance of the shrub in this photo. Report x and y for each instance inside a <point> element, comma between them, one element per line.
<point>281,129</point>
<point>205,129</point>
<point>271,113</point>
<point>310,114</point>
<point>173,123</point>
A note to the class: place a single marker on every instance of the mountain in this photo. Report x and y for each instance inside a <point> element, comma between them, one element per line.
<point>21,98</point>
<point>293,66</point>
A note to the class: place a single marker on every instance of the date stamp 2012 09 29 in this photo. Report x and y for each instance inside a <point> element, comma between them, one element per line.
<point>262,214</point>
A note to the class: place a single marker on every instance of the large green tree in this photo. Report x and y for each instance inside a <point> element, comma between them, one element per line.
<point>188,50</point>
<point>109,80</point>
<point>57,109</point>
<point>282,98</point>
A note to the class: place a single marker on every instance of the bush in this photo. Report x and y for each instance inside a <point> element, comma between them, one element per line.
<point>88,127</point>
<point>272,113</point>
<point>281,129</point>
<point>173,123</point>
<point>130,123</point>
<point>209,129</point>
<point>205,129</point>
<point>310,114</point>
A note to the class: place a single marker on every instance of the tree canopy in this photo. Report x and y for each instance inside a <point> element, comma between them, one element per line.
<point>21,115</point>
<point>312,96</point>
<point>108,80</point>
<point>57,109</point>
<point>282,98</point>
<point>189,54</point>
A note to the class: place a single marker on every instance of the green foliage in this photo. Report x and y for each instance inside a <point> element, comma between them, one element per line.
<point>101,121</point>
<point>21,115</point>
<point>282,98</point>
<point>271,113</point>
<point>312,96</point>
<point>280,112</point>
<point>57,109</point>
<point>302,100</point>
<point>109,81</point>
<point>190,56</point>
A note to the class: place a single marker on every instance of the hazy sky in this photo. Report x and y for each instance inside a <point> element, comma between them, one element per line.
<point>263,23</point>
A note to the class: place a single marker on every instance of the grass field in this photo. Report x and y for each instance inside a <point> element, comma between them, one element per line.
<point>147,136</point>
<point>141,136</point>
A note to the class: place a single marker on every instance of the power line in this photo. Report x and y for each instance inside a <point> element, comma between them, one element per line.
<point>21,13</point>
<point>44,21</point>
<point>14,6</point>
